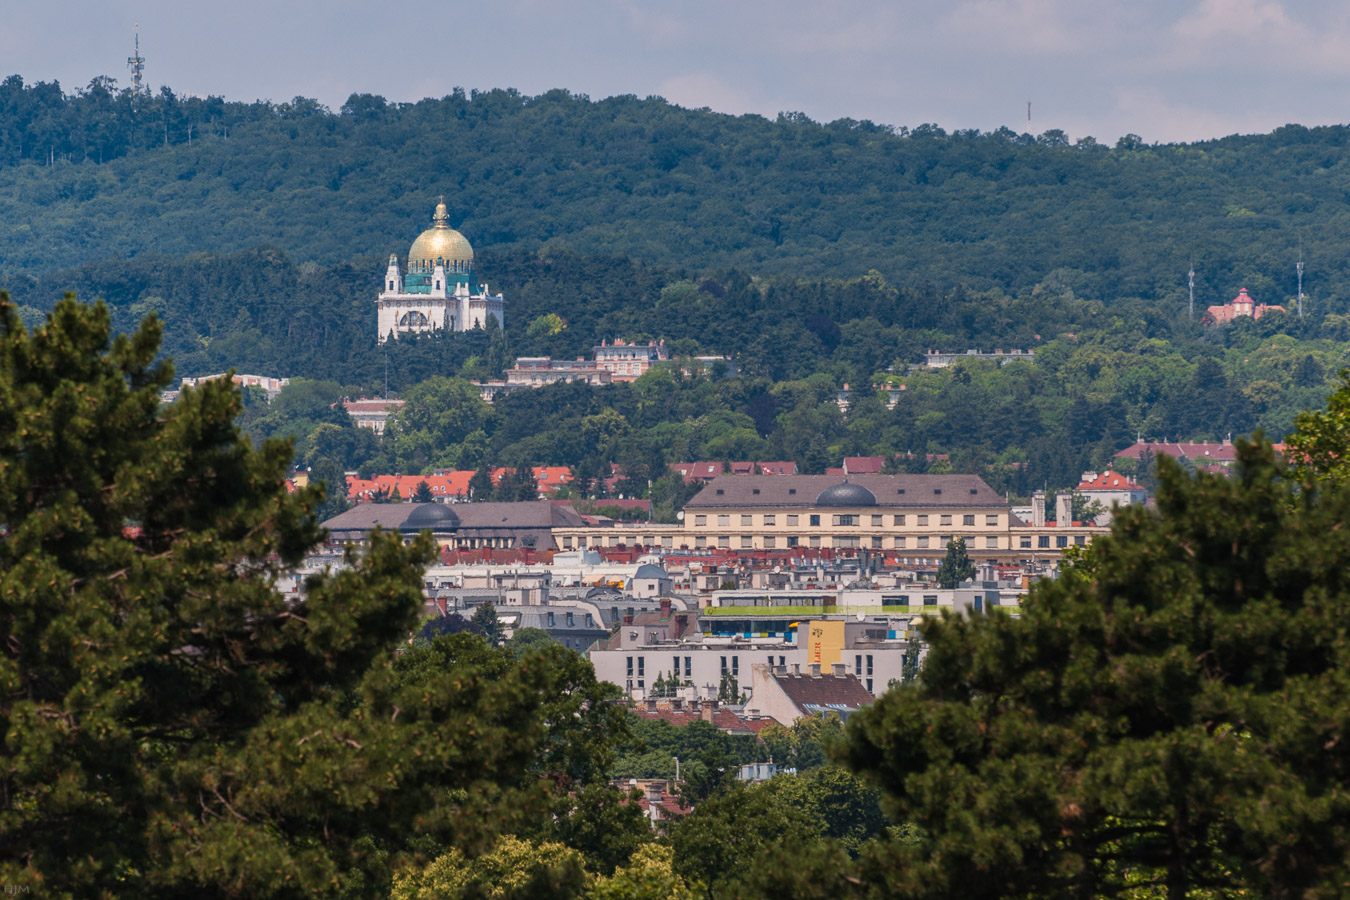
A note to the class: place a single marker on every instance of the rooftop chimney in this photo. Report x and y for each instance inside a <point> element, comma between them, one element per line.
<point>665,607</point>
<point>708,711</point>
<point>1064,510</point>
<point>1038,509</point>
<point>627,620</point>
<point>796,668</point>
<point>839,670</point>
<point>815,670</point>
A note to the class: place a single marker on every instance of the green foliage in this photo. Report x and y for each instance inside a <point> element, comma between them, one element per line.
<point>1164,719</point>
<point>956,566</point>
<point>606,826</point>
<point>174,726</point>
<point>700,744</point>
<point>527,640</point>
<point>513,870</point>
<point>832,800</point>
<point>1320,444</point>
<point>437,415</point>
<point>486,624</point>
<point>649,875</point>
<point>805,744</point>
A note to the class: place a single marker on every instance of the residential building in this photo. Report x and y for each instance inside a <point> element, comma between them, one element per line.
<point>629,362</point>
<point>372,413</point>
<point>1110,490</point>
<point>537,371</point>
<point>471,526</point>
<point>1241,306</point>
<point>269,385</point>
<point>935,359</point>
<point>788,695</point>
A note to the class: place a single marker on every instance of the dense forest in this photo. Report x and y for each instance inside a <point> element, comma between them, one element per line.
<point>96,173</point>
<point>819,256</point>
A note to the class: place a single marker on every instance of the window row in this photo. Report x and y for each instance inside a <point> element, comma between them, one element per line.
<point>901,520</point>
<point>877,542</point>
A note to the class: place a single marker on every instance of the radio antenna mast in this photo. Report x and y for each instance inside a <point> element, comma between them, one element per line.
<point>137,63</point>
<point>1299,267</point>
<point>1190,282</point>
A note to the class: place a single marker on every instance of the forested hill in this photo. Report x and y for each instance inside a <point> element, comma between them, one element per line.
<point>99,173</point>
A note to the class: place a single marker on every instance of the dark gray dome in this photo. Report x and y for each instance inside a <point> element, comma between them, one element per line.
<point>436,516</point>
<point>846,495</point>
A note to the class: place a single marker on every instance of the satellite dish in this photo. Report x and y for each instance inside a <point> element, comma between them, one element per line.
<point>680,515</point>
<point>860,615</point>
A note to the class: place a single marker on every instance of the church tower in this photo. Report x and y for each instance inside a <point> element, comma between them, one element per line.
<point>438,289</point>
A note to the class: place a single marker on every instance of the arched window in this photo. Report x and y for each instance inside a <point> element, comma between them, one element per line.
<point>413,319</point>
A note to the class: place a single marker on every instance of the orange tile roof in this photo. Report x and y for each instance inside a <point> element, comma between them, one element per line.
<point>1109,481</point>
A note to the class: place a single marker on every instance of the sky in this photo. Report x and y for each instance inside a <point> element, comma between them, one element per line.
<point>1167,70</point>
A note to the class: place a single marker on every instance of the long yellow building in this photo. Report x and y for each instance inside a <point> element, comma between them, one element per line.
<point>907,517</point>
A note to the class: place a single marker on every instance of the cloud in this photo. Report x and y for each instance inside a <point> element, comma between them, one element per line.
<point>1214,20</point>
<point>1260,35</point>
<point>699,89</point>
<point>1019,26</point>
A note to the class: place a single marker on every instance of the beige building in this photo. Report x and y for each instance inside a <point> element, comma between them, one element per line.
<point>909,518</point>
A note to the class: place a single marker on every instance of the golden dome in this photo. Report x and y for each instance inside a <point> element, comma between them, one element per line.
<point>440,241</point>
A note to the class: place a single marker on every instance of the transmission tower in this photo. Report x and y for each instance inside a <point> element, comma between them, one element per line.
<point>1299,267</point>
<point>1190,283</point>
<point>137,63</point>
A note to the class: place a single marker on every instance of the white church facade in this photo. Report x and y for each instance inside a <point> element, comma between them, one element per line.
<point>439,289</point>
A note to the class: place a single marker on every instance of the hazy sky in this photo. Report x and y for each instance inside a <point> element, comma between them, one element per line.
<point>1163,69</point>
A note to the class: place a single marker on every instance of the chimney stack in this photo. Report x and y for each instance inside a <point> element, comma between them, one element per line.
<point>796,668</point>
<point>815,670</point>
<point>1038,509</point>
<point>839,670</point>
<point>1064,510</point>
<point>665,607</point>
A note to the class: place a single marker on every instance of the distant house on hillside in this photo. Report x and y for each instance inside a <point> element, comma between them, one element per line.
<point>1239,307</point>
<point>1110,490</point>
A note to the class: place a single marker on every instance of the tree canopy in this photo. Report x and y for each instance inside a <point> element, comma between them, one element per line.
<point>1165,719</point>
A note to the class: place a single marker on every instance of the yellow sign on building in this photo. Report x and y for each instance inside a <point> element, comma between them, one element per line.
<point>825,642</point>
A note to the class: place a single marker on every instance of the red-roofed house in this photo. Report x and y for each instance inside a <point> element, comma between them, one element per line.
<point>1111,490</point>
<point>707,471</point>
<point>863,465</point>
<point>679,713</point>
<point>1240,306</point>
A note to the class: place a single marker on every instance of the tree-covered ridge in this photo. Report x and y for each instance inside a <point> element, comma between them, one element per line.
<point>1102,374</point>
<point>668,185</point>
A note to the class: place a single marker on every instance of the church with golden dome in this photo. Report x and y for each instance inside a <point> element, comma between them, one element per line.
<point>439,289</point>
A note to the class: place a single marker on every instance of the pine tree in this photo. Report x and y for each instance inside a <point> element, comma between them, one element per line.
<point>1166,717</point>
<point>171,725</point>
<point>486,624</point>
<point>956,566</point>
<point>480,485</point>
<point>422,493</point>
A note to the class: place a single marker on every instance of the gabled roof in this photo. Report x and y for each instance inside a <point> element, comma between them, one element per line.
<point>891,491</point>
<point>864,465</point>
<point>1108,481</point>
<point>811,694</point>
<point>1222,451</point>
